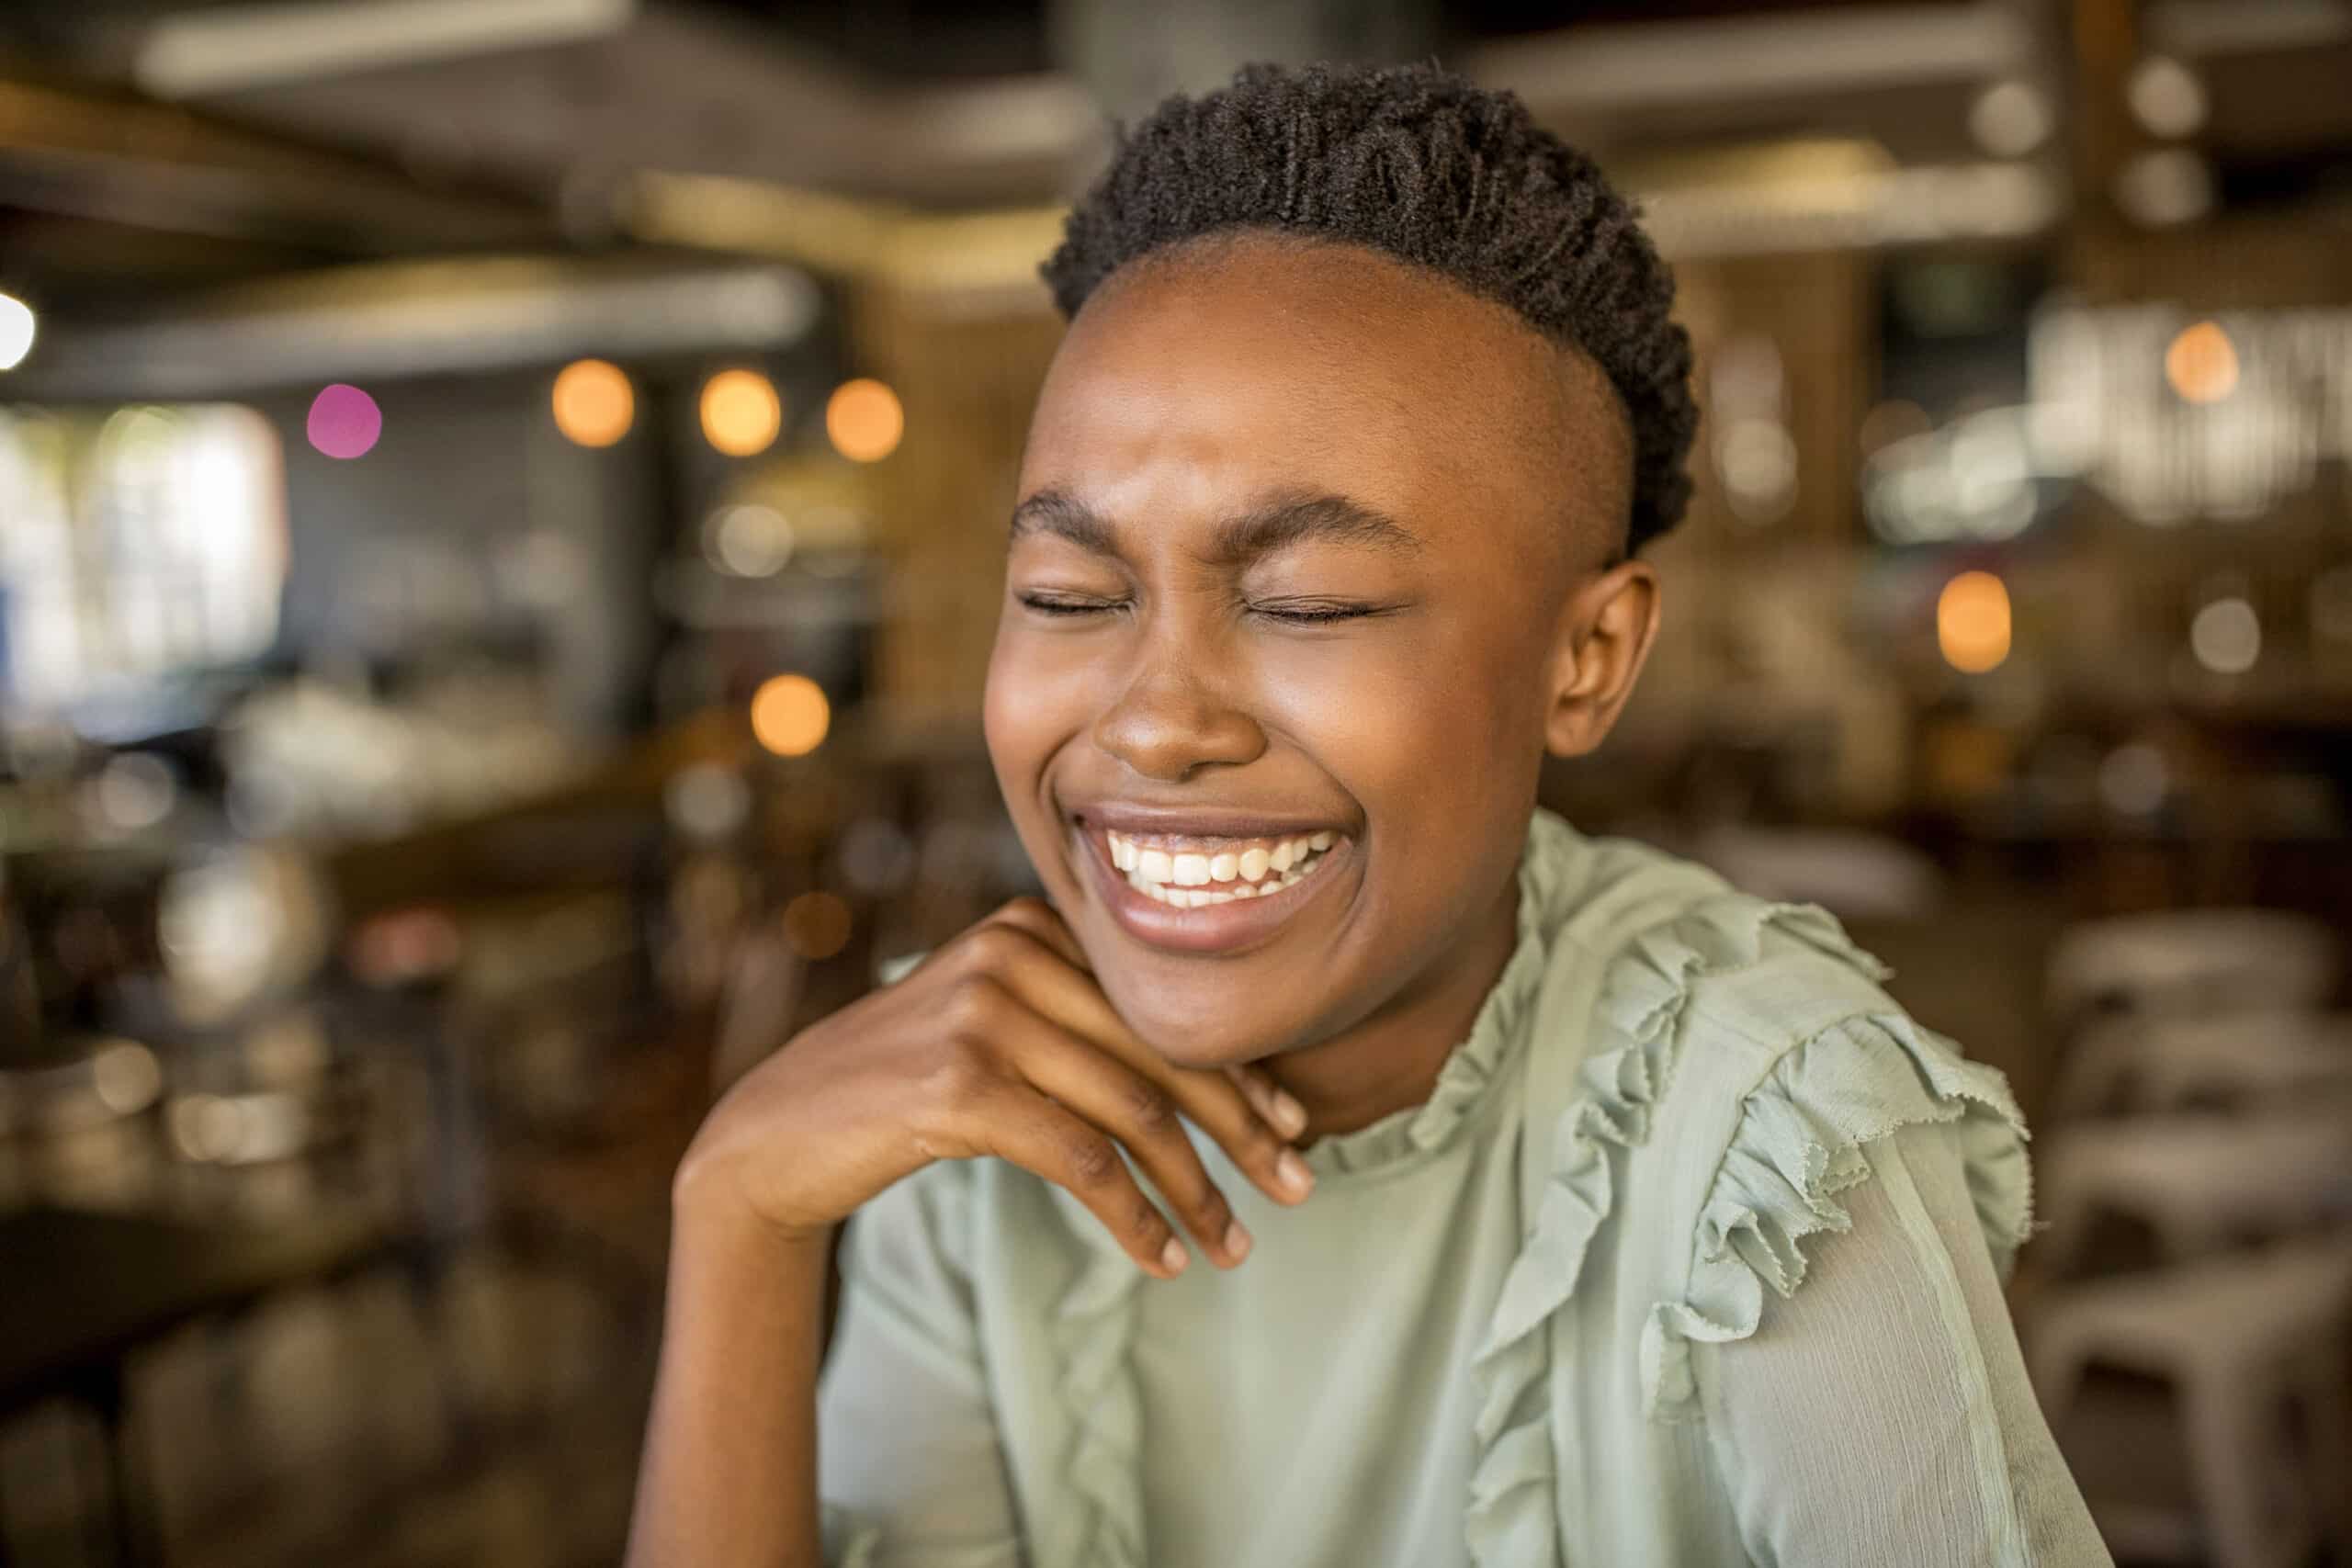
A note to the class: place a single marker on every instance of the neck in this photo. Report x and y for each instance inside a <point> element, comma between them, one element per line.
<point>1391,1059</point>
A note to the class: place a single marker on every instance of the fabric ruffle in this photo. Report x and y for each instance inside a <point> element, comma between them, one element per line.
<point>1798,1145</point>
<point>1638,1013</point>
<point>1094,1327</point>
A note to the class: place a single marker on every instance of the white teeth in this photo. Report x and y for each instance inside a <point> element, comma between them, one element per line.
<point>1180,878</point>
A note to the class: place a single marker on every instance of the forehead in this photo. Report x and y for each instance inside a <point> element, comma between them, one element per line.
<point>1248,364</point>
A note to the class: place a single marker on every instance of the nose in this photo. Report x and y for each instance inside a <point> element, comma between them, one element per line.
<point>1174,717</point>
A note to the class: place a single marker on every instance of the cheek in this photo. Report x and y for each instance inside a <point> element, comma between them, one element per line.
<point>1035,704</point>
<point>1418,732</point>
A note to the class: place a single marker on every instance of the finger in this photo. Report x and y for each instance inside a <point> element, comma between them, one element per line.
<point>1044,923</point>
<point>1017,1123</point>
<point>1216,1105</point>
<point>1269,1098</point>
<point>1142,1115</point>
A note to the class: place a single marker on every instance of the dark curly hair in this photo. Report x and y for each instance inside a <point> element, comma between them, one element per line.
<point>1416,162</point>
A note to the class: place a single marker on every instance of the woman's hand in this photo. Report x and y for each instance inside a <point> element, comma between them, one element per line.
<point>999,1042</point>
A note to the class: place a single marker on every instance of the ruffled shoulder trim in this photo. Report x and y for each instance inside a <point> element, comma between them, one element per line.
<point>1797,1146</point>
<point>1645,991</point>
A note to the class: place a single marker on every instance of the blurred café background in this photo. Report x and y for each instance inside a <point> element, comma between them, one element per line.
<point>501,506</point>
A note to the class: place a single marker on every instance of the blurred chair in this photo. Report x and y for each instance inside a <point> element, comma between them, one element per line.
<point>2180,961</point>
<point>2133,1064</point>
<point>1856,875</point>
<point>2197,1181</point>
<point>2245,1339</point>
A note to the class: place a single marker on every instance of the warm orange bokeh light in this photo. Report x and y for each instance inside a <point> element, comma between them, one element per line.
<point>865,421</point>
<point>2201,364</point>
<point>741,412</point>
<point>593,404</point>
<point>1973,622</point>
<point>790,716</point>
<point>817,924</point>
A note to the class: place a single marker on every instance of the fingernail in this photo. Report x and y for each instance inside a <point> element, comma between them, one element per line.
<point>1292,1172</point>
<point>1172,1256</point>
<point>1289,1114</point>
<point>1236,1242</point>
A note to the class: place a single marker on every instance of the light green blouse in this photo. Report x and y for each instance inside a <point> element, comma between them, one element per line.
<point>1550,1315</point>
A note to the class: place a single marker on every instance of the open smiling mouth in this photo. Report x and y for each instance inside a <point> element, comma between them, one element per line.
<point>1201,894</point>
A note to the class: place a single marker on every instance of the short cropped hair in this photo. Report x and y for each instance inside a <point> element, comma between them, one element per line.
<point>1420,164</point>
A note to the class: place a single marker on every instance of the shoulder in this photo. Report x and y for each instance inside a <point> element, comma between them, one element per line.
<point>1781,1059</point>
<point>1738,1055</point>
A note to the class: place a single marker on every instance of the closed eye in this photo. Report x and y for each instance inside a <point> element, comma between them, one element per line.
<point>1307,613</point>
<point>1050,605</point>
<point>1289,613</point>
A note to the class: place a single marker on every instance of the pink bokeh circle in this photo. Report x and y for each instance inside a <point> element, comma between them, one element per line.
<point>345,421</point>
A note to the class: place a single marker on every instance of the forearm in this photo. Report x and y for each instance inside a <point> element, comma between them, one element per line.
<point>729,1470</point>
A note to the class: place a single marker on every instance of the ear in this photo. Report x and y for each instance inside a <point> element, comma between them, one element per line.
<point>1603,636</point>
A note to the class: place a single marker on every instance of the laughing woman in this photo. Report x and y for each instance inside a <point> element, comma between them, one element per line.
<point>1347,1161</point>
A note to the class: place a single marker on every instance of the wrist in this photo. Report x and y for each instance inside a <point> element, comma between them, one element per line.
<point>711,1207</point>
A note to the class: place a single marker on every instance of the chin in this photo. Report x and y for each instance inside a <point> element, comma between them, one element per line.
<point>1177,1038</point>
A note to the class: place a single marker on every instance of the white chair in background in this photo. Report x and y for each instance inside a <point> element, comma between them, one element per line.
<point>2192,960</point>
<point>2245,1339</point>
<point>1856,875</point>
<point>2265,1056</point>
<point>2197,1181</point>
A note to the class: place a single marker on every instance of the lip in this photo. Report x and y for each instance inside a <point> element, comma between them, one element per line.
<point>1237,927</point>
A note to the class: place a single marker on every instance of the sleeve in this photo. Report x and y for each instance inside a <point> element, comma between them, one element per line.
<point>908,1468</point>
<point>1882,1414</point>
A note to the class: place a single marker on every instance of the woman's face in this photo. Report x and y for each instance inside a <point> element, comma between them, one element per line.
<point>1305,553</point>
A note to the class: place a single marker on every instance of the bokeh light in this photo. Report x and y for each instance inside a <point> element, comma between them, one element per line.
<point>2009,119</point>
<point>594,403</point>
<point>741,412</point>
<point>2226,636</point>
<point>1973,622</point>
<point>135,790</point>
<point>345,421</point>
<point>17,329</point>
<point>864,420</point>
<point>707,801</point>
<point>125,1078</point>
<point>2133,779</point>
<point>2201,364</point>
<point>790,716</point>
<point>2166,96</point>
<point>817,924</point>
<point>748,540</point>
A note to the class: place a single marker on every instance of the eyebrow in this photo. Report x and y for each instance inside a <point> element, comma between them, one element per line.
<point>1274,525</point>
